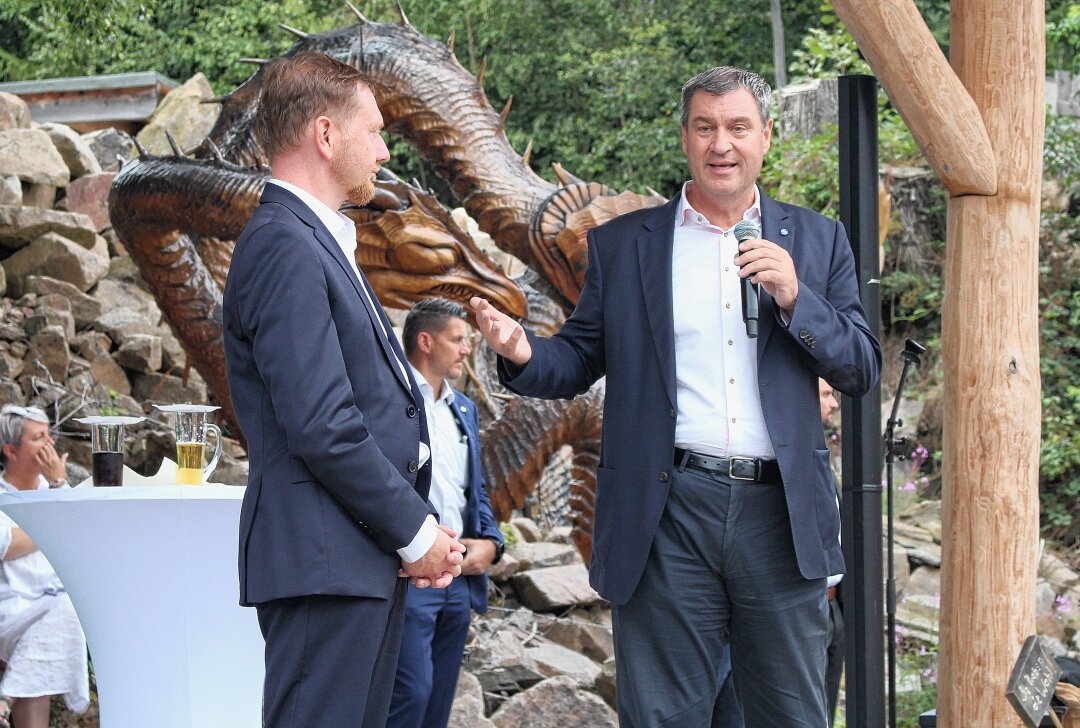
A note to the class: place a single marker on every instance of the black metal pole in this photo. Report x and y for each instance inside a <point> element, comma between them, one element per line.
<point>861,593</point>
<point>895,447</point>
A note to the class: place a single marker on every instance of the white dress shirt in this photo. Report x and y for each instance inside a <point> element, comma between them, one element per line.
<point>344,231</point>
<point>449,455</point>
<point>716,384</point>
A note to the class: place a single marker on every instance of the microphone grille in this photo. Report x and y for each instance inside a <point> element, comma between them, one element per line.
<point>746,230</point>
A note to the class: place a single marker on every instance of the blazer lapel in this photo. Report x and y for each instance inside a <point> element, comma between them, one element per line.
<point>391,349</point>
<point>775,227</point>
<point>654,246</point>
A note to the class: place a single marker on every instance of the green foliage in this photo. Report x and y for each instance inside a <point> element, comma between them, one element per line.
<point>50,38</point>
<point>915,664</point>
<point>1063,36</point>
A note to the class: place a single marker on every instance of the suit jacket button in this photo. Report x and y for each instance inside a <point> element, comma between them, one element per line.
<point>672,413</point>
<point>413,466</point>
<point>663,477</point>
<point>411,410</point>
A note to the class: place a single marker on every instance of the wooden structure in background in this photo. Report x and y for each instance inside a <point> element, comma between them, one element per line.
<point>125,101</point>
<point>980,124</point>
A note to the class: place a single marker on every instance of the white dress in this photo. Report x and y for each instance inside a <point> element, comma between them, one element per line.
<point>40,637</point>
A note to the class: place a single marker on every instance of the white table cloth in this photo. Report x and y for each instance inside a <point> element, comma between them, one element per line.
<point>152,574</point>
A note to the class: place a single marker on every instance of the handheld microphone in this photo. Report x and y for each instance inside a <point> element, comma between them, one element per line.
<point>748,230</point>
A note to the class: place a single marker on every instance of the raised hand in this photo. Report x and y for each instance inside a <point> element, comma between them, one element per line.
<point>502,333</point>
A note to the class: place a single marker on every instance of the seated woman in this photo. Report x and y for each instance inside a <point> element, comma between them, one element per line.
<point>40,637</point>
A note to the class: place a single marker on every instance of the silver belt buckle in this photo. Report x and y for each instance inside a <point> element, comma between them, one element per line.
<point>753,464</point>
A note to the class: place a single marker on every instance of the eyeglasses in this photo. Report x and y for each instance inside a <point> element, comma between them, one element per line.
<point>34,414</point>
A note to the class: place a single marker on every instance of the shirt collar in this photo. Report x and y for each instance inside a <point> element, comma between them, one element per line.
<point>341,227</point>
<point>429,391</point>
<point>687,216</point>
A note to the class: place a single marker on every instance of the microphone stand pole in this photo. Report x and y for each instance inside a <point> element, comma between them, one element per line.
<point>895,448</point>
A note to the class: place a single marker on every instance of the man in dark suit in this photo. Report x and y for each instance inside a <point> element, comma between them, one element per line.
<point>716,517</point>
<point>336,507</point>
<point>437,621</point>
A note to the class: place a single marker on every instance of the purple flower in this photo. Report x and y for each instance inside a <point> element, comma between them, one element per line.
<point>908,487</point>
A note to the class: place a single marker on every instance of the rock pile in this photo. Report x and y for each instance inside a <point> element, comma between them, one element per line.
<point>543,654</point>
<point>79,332</point>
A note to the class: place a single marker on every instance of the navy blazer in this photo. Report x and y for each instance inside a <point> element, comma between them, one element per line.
<point>332,423</point>
<point>478,520</point>
<point>623,328</point>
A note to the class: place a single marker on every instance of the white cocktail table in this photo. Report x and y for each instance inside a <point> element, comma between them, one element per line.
<point>151,571</point>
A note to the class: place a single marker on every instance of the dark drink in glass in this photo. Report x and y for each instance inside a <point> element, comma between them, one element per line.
<point>108,469</point>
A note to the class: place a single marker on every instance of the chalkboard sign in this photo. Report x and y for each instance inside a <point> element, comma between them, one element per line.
<point>1032,682</point>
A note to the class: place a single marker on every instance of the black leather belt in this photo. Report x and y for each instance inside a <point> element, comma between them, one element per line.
<point>735,467</point>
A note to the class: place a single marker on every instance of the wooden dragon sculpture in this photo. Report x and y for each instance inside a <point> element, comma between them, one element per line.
<point>178,216</point>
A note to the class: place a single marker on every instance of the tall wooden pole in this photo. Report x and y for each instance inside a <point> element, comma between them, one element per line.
<point>990,342</point>
<point>980,125</point>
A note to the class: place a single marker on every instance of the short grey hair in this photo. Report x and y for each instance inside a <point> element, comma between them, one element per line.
<point>723,80</point>
<point>13,423</point>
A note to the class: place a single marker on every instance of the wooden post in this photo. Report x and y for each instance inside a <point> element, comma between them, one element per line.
<point>989,113</point>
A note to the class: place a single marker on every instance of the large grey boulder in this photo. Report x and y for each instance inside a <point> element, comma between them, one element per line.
<point>126,310</point>
<point>592,640</point>
<point>541,554</point>
<point>49,350</point>
<point>183,115</point>
<point>167,389</point>
<point>555,703</point>
<point>468,709</point>
<point>57,257</point>
<point>112,147</point>
<point>76,153</point>
<point>920,604</point>
<point>554,588</point>
<point>84,308</point>
<point>89,195</point>
<point>19,225</point>
<point>552,660</point>
<point>10,190</point>
<point>14,113</point>
<point>31,156</point>
<point>140,352</point>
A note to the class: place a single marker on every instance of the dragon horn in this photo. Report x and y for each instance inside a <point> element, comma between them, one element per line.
<point>483,68</point>
<point>450,40</point>
<point>565,178</point>
<point>172,143</point>
<point>256,61</point>
<point>356,12</point>
<point>295,31</point>
<point>401,12</point>
<point>214,150</point>
<point>528,154</point>
<point>140,147</point>
<point>653,192</point>
<point>505,113</point>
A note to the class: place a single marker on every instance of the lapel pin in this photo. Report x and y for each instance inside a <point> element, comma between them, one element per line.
<point>462,408</point>
<point>783,231</point>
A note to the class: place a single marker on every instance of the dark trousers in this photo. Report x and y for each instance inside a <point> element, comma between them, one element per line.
<point>432,645</point>
<point>834,664</point>
<point>330,660</point>
<point>722,567</point>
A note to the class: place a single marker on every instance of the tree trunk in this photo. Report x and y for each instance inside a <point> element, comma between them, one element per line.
<point>981,128</point>
<point>990,347</point>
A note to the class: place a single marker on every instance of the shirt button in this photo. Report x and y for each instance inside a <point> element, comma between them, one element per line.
<point>413,466</point>
<point>727,305</point>
<point>730,342</point>
<point>663,477</point>
<point>731,381</point>
<point>727,268</point>
<point>411,410</point>
<point>732,419</point>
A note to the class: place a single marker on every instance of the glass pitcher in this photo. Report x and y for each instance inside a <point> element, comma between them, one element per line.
<point>191,430</point>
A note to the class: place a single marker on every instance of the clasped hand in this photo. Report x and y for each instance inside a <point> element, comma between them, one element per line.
<point>438,567</point>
